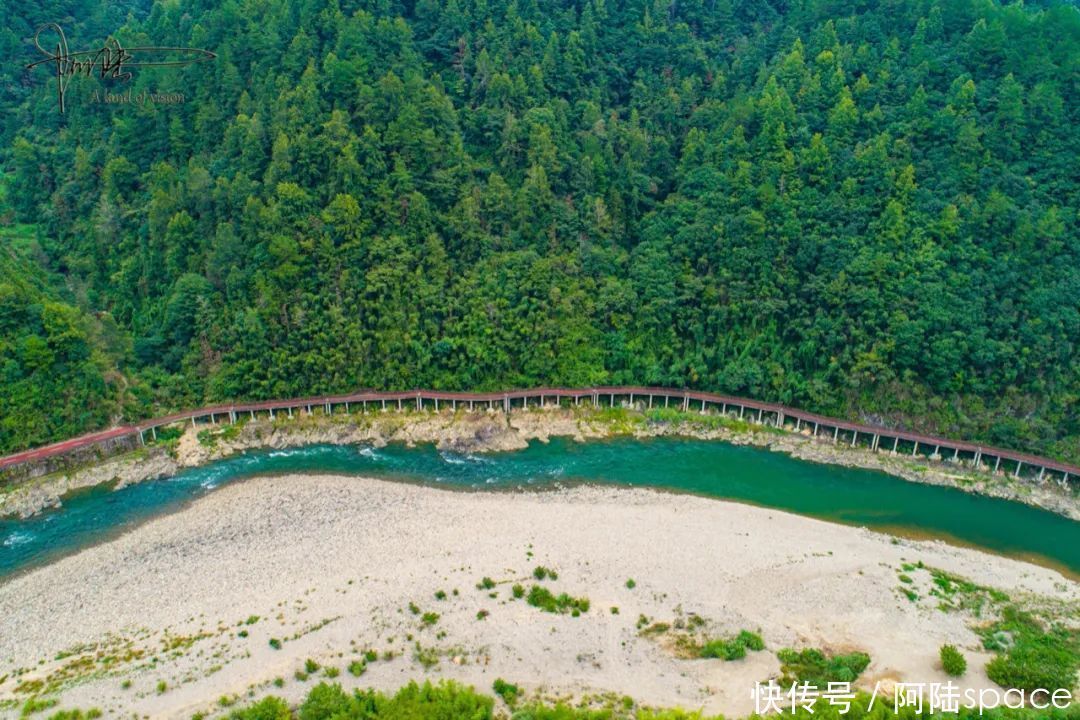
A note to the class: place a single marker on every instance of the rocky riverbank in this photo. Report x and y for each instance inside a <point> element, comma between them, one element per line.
<point>277,583</point>
<point>495,431</point>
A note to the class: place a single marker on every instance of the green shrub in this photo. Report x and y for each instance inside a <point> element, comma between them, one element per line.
<point>485,583</point>
<point>270,708</point>
<point>429,618</point>
<point>733,648</point>
<point>518,591</point>
<point>357,668</point>
<point>952,661</point>
<point>507,691</point>
<point>310,666</point>
<point>275,643</point>
<point>814,667</point>
<point>630,584</point>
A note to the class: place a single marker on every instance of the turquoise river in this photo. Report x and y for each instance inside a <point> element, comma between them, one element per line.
<point>713,469</point>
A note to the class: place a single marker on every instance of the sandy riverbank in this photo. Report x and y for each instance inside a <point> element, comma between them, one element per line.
<point>330,565</point>
<point>495,431</point>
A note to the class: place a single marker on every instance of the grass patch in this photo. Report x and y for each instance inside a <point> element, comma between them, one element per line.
<point>36,705</point>
<point>1031,654</point>
<point>542,573</point>
<point>541,597</point>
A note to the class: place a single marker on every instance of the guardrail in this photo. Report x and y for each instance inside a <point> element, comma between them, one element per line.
<point>780,416</point>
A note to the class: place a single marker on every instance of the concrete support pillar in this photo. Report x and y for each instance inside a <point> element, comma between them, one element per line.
<point>271,413</point>
<point>290,412</point>
<point>797,424</point>
<point>835,435</point>
<point>142,440</point>
<point>1042,472</point>
<point>384,405</point>
<point>686,403</point>
<point>815,429</point>
<point>855,438</point>
<point>506,404</point>
<point>916,450</point>
<point>153,431</point>
<point>419,404</point>
<point>741,411</point>
<point>1018,466</point>
<point>997,464</point>
<point>956,454</point>
<point>650,402</point>
<point>895,442</point>
<point>192,421</point>
<point>666,398</point>
<point>875,443</point>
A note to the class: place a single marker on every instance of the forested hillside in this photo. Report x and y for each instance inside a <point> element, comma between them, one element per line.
<point>867,209</point>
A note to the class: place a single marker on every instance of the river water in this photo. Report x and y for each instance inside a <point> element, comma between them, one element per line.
<point>709,468</point>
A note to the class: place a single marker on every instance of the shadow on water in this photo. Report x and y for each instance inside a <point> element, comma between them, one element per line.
<point>713,469</point>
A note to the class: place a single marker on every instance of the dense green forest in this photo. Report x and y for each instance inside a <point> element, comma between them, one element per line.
<point>867,208</point>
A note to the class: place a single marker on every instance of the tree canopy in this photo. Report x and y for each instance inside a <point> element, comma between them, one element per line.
<point>866,209</point>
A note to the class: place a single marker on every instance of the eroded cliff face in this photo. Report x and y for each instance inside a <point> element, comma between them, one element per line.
<point>495,431</point>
